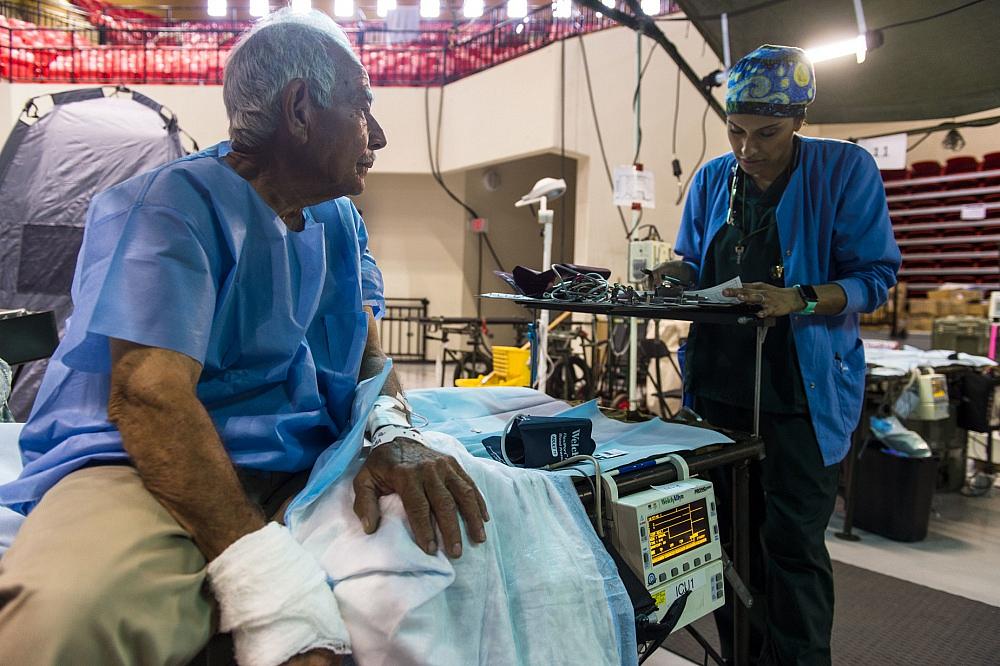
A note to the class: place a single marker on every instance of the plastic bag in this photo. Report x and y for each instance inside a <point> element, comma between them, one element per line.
<point>891,432</point>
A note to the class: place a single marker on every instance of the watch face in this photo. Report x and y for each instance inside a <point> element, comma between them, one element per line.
<point>809,294</point>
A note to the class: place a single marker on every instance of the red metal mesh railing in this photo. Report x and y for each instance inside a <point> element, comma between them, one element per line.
<point>126,48</point>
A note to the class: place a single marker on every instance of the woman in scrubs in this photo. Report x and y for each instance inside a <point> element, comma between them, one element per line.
<point>804,224</point>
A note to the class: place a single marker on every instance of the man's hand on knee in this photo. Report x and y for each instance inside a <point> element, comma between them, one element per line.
<point>433,487</point>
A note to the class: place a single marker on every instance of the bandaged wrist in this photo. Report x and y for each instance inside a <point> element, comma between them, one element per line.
<point>386,411</point>
<point>390,432</point>
<point>275,600</point>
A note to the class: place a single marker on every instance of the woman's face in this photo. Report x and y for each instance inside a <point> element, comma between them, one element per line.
<point>762,144</point>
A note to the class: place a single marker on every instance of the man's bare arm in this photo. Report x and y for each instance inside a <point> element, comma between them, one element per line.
<point>374,359</point>
<point>173,444</point>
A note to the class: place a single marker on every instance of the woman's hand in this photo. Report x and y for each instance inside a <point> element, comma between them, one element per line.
<point>774,301</point>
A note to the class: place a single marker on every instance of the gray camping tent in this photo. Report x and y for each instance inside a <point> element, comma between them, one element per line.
<point>50,167</point>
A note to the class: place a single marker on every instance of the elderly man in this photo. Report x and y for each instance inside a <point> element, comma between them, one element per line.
<point>224,313</point>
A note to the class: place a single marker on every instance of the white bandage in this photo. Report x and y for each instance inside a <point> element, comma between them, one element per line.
<point>388,411</point>
<point>390,432</point>
<point>274,598</point>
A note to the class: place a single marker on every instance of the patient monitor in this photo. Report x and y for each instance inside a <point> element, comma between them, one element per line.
<point>669,536</point>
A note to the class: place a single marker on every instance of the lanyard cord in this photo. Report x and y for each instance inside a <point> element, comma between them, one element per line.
<point>731,218</point>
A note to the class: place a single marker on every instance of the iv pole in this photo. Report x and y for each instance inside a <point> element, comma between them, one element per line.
<point>633,329</point>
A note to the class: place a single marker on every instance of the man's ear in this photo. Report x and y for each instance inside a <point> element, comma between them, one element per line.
<point>295,109</point>
<point>798,123</point>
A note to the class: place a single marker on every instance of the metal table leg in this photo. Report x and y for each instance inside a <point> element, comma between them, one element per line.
<point>761,336</point>
<point>741,558</point>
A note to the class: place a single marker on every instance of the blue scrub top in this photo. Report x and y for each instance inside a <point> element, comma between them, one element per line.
<point>189,258</point>
<point>833,225</point>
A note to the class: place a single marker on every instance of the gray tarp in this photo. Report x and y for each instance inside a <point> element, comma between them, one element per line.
<point>49,170</point>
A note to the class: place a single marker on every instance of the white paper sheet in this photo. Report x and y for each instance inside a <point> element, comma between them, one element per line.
<point>714,294</point>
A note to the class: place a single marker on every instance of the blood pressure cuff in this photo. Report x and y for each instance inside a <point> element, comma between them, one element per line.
<point>537,441</point>
<point>534,284</point>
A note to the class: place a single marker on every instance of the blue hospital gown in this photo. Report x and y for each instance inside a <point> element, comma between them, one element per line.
<point>189,258</point>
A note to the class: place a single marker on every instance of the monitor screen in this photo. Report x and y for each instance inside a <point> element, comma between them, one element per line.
<point>678,530</point>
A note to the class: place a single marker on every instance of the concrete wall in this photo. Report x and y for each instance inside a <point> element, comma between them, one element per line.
<point>515,232</point>
<point>418,238</point>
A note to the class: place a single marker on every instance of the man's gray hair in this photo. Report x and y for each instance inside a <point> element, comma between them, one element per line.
<point>283,46</point>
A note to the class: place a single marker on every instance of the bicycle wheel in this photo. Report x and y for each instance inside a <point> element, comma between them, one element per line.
<point>571,381</point>
<point>471,365</point>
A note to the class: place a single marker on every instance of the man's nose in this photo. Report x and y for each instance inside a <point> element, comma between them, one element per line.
<point>376,135</point>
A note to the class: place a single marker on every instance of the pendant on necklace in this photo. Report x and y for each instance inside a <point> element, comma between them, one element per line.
<point>777,272</point>
<point>740,248</point>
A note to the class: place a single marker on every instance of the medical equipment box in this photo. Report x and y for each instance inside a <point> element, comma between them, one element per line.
<point>669,536</point>
<point>962,334</point>
<point>932,388</point>
<point>645,255</point>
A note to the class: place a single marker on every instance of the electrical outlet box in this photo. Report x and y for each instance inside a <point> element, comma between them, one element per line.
<point>646,255</point>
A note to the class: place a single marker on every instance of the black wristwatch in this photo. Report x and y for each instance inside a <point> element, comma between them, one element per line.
<point>808,294</point>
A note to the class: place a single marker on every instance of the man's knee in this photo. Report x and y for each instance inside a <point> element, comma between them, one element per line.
<point>67,618</point>
<point>59,617</point>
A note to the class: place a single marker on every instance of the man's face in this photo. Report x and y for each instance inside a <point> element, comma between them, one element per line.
<point>342,145</point>
<point>762,144</point>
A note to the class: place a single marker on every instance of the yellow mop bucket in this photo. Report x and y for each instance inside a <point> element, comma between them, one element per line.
<point>511,367</point>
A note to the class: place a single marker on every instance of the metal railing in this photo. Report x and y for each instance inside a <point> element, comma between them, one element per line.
<point>45,15</point>
<point>403,336</point>
<point>153,54</point>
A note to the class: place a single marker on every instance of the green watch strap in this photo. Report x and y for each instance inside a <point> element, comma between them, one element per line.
<point>808,294</point>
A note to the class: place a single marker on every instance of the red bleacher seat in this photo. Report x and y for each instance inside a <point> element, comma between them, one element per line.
<point>991,162</point>
<point>961,164</point>
<point>925,169</point>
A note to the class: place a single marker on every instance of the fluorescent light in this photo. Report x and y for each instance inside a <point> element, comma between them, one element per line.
<point>562,8</point>
<point>517,8</point>
<point>301,6</point>
<point>430,8</point>
<point>855,45</point>
<point>609,3</point>
<point>650,7</point>
<point>343,8</point>
<point>217,8</point>
<point>383,7</point>
<point>472,8</point>
<point>259,8</point>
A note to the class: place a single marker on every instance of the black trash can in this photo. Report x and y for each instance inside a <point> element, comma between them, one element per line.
<point>894,494</point>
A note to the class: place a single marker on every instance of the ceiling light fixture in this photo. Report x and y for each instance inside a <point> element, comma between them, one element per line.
<point>562,8</point>
<point>343,8</point>
<point>472,8</point>
<point>430,8</point>
<point>517,8</point>
<point>217,8</point>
